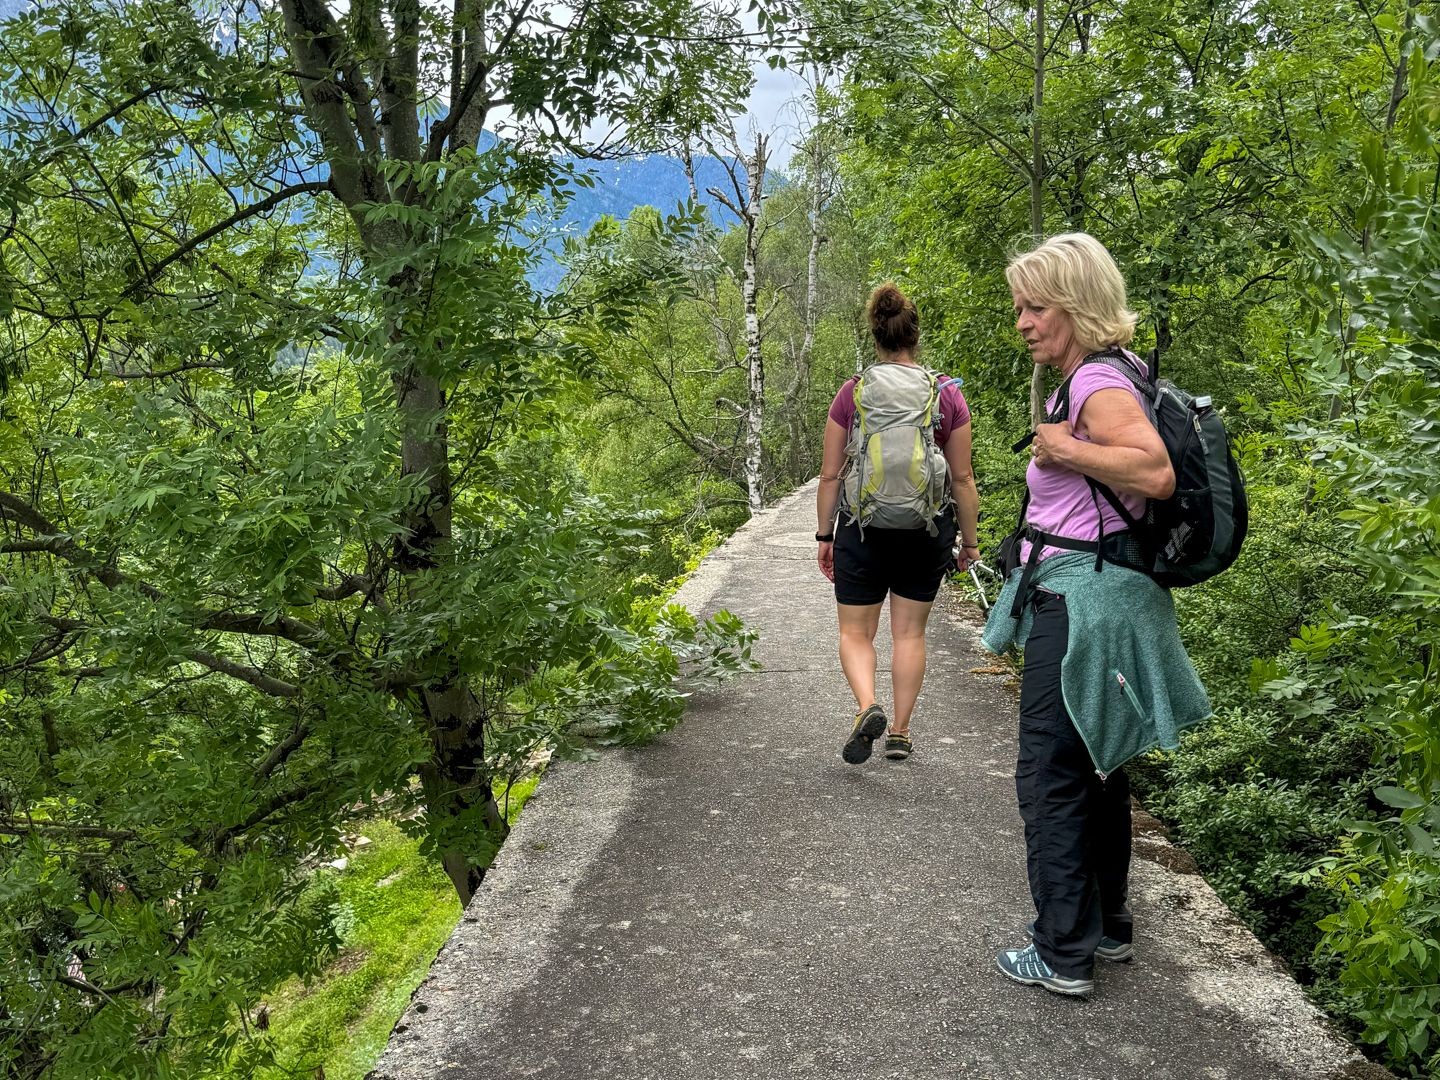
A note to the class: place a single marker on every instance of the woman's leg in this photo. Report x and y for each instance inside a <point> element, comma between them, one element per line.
<point>1112,854</point>
<point>858,623</point>
<point>1056,785</point>
<point>907,668</point>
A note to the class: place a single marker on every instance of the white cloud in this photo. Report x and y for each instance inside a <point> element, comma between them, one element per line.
<point>775,108</point>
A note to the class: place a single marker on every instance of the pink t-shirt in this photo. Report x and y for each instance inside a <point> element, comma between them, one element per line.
<point>1060,499</point>
<point>954,412</point>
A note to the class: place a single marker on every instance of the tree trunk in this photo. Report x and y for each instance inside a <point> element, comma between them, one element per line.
<point>689,161</point>
<point>52,741</point>
<point>465,818</point>
<point>754,360</point>
<point>456,781</point>
<point>1080,164</point>
<point>795,398</point>
<point>724,351</point>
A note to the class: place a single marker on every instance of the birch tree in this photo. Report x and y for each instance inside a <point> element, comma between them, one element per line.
<point>743,199</point>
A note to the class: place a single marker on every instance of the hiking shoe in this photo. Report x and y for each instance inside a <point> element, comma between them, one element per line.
<point>1025,966</point>
<point>1117,952</point>
<point>897,745</point>
<point>868,726</point>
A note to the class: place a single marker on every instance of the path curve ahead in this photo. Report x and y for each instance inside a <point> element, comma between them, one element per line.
<point>733,902</point>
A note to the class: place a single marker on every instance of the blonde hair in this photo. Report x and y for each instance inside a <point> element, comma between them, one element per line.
<point>1074,272</point>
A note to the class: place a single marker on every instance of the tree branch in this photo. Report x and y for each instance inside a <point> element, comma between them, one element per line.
<point>100,121</point>
<point>254,676</point>
<point>348,586</point>
<point>263,206</point>
<point>313,38</point>
<point>16,827</point>
<point>179,369</point>
<point>226,622</point>
<point>441,131</point>
<point>98,991</point>
<point>399,80</point>
<point>278,801</point>
<point>1019,162</point>
<point>52,544</point>
<point>27,515</point>
<point>242,622</point>
<point>281,751</point>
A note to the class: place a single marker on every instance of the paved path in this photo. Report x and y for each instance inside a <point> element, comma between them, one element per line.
<point>733,901</point>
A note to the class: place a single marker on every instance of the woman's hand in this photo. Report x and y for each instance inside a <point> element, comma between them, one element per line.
<point>1051,442</point>
<point>969,553</point>
<point>826,558</point>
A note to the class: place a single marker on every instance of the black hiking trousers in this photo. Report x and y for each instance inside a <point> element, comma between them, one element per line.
<point>1077,826</point>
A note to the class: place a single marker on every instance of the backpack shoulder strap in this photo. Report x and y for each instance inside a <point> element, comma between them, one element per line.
<point>1125,366</point>
<point>941,382</point>
<point>855,392</point>
<point>1111,359</point>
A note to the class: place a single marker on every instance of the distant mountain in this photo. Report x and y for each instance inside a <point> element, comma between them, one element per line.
<point>656,180</point>
<point>622,185</point>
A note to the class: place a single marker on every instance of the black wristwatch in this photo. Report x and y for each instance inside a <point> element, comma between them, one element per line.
<point>826,538</point>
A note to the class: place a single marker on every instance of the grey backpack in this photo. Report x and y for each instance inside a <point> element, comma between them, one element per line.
<point>895,475</point>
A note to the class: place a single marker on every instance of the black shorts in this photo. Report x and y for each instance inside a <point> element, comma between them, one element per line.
<point>907,562</point>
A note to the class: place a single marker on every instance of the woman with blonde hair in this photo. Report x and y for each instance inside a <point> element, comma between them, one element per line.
<point>868,555</point>
<point>1100,639</point>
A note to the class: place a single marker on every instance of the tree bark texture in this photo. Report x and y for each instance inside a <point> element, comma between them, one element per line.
<point>799,388</point>
<point>754,360</point>
<point>1037,189</point>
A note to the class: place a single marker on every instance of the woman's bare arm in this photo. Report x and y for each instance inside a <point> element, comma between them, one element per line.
<point>1124,452</point>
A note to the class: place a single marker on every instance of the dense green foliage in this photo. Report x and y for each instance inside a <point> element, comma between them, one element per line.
<point>391,910</point>
<point>290,524</point>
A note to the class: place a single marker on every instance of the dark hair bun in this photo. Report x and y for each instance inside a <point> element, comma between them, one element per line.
<point>887,302</point>
<point>894,320</point>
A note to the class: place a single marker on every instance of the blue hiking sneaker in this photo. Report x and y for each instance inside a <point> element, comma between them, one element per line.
<point>1117,952</point>
<point>869,726</point>
<point>1025,966</point>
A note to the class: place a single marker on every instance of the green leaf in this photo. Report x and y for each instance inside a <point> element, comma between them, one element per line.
<point>1399,797</point>
<point>1372,156</point>
<point>1420,839</point>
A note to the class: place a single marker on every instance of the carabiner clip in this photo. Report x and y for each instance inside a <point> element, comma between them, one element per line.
<point>977,568</point>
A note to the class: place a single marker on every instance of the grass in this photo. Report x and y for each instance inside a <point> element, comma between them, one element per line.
<point>399,908</point>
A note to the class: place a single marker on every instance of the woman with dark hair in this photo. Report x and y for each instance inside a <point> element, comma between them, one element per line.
<point>893,421</point>
<point>1103,656</point>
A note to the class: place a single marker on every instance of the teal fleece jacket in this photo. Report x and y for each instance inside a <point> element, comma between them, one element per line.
<point>1127,681</point>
